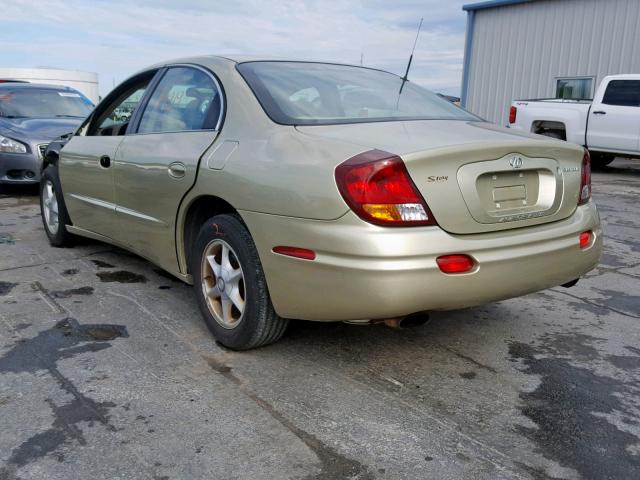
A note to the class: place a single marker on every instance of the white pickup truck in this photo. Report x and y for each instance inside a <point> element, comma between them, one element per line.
<point>609,126</point>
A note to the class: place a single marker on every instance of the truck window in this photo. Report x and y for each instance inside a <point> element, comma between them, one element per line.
<point>622,92</point>
<point>574,88</point>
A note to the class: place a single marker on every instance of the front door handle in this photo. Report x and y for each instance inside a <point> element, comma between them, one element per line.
<point>105,161</point>
<point>177,170</point>
<point>599,112</point>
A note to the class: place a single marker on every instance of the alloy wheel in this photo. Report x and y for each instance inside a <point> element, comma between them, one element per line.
<point>50,207</point>
<point>223,284</point>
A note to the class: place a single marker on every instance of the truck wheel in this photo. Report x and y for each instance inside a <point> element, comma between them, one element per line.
<point>600,160</point>
<point>231,287</point>
<point>53,209</point>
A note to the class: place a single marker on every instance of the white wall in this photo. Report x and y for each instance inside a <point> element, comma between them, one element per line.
<point>519,50</point>
<point>84,82</point>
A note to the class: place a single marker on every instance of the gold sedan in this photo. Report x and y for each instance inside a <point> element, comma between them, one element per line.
<point>299,190</point>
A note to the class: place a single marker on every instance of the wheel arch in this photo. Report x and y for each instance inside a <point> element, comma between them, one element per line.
<point>194,214</point>
<point>50,159</point>
<point>542,127</point>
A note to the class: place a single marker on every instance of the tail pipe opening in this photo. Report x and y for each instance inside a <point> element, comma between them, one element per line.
<point>410,321</point>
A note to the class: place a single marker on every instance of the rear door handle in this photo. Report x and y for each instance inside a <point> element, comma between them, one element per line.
<point>599,112</point>
<point>105,161</point>
<point>177,170</point>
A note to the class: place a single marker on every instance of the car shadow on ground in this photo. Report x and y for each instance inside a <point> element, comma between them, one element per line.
<point>19,190</point>
<point>621,166</point>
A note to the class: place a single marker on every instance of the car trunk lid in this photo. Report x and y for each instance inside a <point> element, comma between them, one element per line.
<point>474,176</point>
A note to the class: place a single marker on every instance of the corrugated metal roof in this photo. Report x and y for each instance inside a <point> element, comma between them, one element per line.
<point>492,4</point>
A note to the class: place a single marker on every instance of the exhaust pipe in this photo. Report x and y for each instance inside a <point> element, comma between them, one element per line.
<point>410,321</point>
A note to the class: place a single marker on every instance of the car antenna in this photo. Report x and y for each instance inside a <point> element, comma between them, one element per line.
<point>406,73</point>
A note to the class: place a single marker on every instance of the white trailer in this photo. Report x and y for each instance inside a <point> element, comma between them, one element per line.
<point>85,82</point>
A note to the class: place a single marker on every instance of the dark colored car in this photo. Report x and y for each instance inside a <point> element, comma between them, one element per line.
<point>31,116</point>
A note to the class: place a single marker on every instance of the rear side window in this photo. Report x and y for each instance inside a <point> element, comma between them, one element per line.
<point>622,92</point>
<point>185,99</point>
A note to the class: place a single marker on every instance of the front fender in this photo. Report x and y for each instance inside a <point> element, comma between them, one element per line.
<point>52,153</point>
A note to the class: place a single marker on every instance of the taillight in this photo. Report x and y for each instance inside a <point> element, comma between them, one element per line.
<point>513,112</point>
<point>585,179</point>
<point>378,188</point>
<point>457,263</point>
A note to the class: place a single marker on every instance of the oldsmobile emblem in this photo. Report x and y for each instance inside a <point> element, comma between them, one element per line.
<point>516,162</point>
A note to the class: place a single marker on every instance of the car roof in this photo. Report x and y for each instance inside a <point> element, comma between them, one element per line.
<point>237,59</point>
<point>272,58</point>
<point>624,76</point>
<point>243,58</point>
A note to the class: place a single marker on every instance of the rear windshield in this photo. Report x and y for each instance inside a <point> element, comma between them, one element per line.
<point>304,93</point>
<point>43,103</point>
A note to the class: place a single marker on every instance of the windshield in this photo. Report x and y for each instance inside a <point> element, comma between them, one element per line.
<point>43,103</point>
<point>303,93</point>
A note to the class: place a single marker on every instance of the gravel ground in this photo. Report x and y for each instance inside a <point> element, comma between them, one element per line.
<point>108,372</point>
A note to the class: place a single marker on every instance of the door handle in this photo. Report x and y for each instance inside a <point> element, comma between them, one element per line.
<point>177,170</point>
<point>105,161</point>
<point>599,112</point>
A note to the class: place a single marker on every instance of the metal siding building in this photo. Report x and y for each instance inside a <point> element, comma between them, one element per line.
<point>518,49</point>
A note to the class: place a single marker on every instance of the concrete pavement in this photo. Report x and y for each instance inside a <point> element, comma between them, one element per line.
<point>108,372</point>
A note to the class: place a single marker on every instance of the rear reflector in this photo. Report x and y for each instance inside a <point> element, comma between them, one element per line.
<point>296,252</point>
<point>455,263</point>
<point>513,112</point>
<point>585,239</point>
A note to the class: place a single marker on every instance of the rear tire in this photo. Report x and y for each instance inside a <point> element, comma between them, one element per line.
<point>600,160</point>
<point>53,210</point>
<point>230,286</point>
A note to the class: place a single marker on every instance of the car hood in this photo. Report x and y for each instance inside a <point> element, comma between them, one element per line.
<point>38,128</point>
<point>418,135</point>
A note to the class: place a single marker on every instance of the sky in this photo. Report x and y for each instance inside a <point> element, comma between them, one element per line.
<point>116,38</point>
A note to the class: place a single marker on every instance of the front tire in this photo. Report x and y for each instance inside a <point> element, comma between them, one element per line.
<point>230,286</point>
<point>53,210</point>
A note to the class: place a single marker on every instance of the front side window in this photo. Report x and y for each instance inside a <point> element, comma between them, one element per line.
<point>185,99</point>
<point>112,117</point>
<point>622,92</point>
<point>305,93</point>
<point>43,103</point>
<point>574,88</point>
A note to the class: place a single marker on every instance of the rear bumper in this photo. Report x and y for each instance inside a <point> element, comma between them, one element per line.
<point>19,168</point>
<point>366,272</point>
